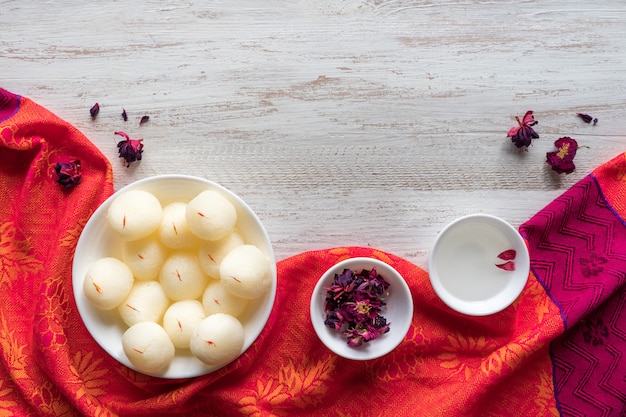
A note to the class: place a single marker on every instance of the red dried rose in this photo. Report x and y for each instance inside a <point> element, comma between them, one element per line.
<point>68,173</point>
<point>523,134</point>
<point>562,160</point>
<point>129,149</point>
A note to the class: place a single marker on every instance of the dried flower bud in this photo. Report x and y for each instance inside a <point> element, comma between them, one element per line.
<point>124,115</point>
<point>143,120</point>
<point>523,134</point>
<point>68,173</point>
<point>587,118</point>
<point>94,110</point>
<point>129,149</point>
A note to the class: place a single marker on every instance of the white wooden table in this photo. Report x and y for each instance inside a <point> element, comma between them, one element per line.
<point>341,122</point>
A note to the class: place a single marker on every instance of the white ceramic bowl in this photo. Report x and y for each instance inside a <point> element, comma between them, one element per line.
<point>462,265</point>
<point>97,240</point>
<point>398,311</point>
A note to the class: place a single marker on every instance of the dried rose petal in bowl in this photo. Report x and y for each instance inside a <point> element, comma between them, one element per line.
<point>354,305</point>
<point>361,308</point>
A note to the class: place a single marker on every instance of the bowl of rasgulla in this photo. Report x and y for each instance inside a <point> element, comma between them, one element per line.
<point>174,276</point>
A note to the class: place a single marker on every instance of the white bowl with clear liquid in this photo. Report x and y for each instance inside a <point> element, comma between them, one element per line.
<point>465,270</point>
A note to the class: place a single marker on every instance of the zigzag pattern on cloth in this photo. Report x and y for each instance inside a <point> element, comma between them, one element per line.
<point>578,252</point>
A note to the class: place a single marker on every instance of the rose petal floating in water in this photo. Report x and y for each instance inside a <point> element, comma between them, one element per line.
<point>507,266</point>
<point>507,255</point>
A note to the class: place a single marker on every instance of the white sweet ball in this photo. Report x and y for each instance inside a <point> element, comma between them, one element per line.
<point>216,299</point>
<point>181,276</point>
<point>107,283</point>
<point>217,339</point>
<point>144,257</point>
<point>148,347</point>
<point>211,253</point>
<point>180,319</point>
<point>246,272</point>
<point>210,215</point>
<point>145,302</point>
<point>134,214</point>
<point>174,231</point>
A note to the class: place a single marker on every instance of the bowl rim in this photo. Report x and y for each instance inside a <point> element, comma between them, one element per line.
<point>481,308</point>
<point>91,226</point>
<point>342,349</point>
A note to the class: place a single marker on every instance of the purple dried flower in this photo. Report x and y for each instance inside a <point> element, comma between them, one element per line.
<point>144,119</point>
<point>68,173</point>
<point>562,160</point>
<point>94,110</point>
<point>353,305</point>
<point>129,149</point>
<point>587,118</point>
<point>124,115</point>
<point>523,134</point>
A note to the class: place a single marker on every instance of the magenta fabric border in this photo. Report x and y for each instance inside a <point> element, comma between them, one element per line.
<point>9,104</point>
<point>578,252</point>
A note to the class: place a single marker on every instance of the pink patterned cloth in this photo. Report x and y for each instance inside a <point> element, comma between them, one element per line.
<point>578,253</point>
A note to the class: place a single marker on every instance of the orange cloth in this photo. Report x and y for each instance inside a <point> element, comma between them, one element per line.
<point>448,365</point>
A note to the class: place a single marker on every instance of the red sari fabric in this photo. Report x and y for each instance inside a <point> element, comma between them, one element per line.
<point>555,351</point>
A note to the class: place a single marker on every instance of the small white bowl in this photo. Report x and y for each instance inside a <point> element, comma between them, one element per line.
<point>463,265</point>
<point>398,311</point>
<point>97,240</point>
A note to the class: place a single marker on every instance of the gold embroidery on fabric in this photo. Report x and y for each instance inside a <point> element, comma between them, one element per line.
<point>466,355</point>
<point>88,370</point>
<point>382,256</point>
<point>460,345</point>
<point>341,253</point>
<point>15,351</point>
<point>14,256</point>
<point>536,293</point>
<point>139,379</point>
<point>49,401</point>
<point>545,398</point>
<point>55,312</point>
<point>302,385</point>
<point>5,392</point>
<point>406,359</point>
<point>71,236</point>
<point>8,136</point>
<point>510,355</point>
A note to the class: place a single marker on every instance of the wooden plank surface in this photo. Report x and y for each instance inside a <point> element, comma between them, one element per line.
<point>340,122</point>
